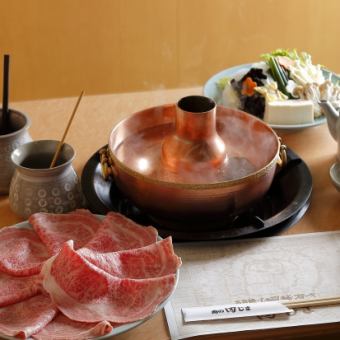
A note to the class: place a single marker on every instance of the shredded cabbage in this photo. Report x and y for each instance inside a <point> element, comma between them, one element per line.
<point>304,72</point>
<point>301,68</point>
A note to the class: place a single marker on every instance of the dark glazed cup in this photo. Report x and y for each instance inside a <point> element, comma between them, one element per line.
<point>20,124</point>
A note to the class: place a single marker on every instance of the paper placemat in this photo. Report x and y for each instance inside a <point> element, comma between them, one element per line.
<point>285,268</point>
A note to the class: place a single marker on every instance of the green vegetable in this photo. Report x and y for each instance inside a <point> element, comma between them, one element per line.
<point>222,83</point>
<point>292,54</point>
<point>282,72</point>
<point>278,75</point>
<point>300,66</point>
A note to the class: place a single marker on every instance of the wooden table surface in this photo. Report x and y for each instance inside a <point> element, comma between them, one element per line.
<point>91,127</point>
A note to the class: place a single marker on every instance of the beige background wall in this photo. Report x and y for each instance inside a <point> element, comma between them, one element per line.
<point>62,46</point>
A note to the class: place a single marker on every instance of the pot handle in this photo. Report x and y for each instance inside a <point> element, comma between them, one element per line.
<point>107,166</point>
<point>282,161</point>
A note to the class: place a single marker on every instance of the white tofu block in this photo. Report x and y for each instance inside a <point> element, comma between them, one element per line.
<point>289,112</point>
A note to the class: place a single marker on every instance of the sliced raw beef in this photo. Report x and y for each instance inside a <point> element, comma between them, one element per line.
<point>55,229</point>
<point>84,292</point>
<point>156,259</point>
<point>120,233</point>
<point>22,252</point>
<point>63,328</point>
<point>14,289</point>
<point>27,317</point>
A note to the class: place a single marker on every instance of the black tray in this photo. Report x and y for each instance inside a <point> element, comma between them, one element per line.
<point>284,204</point>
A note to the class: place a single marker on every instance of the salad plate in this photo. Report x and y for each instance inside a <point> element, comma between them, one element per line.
<point>212,90</point>
<point>118,329</point>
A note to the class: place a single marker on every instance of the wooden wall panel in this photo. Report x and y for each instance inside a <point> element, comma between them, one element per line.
<point>60,47</point>
<point>223,33</point>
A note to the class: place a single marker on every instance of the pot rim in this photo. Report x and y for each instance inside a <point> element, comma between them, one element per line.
<point>25,127</point>
<point>252,177</point>
<point>38,144</point>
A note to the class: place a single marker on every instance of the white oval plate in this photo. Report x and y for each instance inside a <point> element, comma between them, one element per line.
<point>211,90</point>
<point>120,329</point>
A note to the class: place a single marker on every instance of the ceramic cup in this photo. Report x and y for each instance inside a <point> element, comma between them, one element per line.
<point>20,124</point>
<point>37,188</point>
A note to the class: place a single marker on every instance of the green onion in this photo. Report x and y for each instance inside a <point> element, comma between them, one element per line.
<point>282,72</point>
<point>278,75</point>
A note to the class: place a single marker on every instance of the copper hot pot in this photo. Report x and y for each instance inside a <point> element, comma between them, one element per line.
<point>193,160</point>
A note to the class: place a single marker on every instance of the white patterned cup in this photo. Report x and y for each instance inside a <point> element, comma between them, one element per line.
<point>20,124</point>
<point>37,188</point>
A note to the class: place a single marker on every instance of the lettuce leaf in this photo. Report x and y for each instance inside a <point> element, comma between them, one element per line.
<point>222,83</point>
<point>292,54</point>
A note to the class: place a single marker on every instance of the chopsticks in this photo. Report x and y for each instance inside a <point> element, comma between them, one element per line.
<point>60,144</point>
<point>5,113</point>
<point>313,303</point>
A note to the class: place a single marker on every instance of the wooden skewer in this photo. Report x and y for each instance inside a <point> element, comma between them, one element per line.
<point>313,303</point>
<point>60,144</point>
